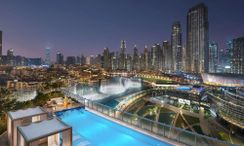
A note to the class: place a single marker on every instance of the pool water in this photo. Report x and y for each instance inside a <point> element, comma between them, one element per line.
<point>93,130</point>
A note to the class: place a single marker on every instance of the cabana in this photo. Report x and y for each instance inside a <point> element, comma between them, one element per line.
<point>51,132</point>
<point>23,117</point>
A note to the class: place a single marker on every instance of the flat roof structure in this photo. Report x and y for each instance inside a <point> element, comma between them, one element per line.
<point>47,131</point>
<point>23,117</point>
<point>29,112</point>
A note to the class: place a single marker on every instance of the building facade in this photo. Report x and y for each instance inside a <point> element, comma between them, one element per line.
<point>197,39</point>
<point>237,60</point>
<point>176,46</point>
<point>213,57</point>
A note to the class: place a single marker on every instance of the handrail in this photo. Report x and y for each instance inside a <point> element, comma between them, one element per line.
<point>198,138</point>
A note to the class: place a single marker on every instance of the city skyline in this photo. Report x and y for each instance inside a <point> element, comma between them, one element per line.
<point>71,42</point>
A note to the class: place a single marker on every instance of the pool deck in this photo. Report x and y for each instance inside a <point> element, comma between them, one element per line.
<point>166,140</point>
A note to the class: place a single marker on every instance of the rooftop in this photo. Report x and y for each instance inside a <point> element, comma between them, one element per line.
<point>42,129</point>
<point>26,113</point>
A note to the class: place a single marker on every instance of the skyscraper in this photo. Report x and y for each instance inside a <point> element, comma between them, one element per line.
<point>106,59</point>
<point>167,51</point>
<point>10,57</point>
<point>48,56</point>
<point>197,39</point>
<point>60,58</point>
<point>176,45</point>
<point>1,47</point>
<point>213,57</point>
<point>135,65</point>
<point>237,60</point>
<point>146,58</point>
<point>122,62</point>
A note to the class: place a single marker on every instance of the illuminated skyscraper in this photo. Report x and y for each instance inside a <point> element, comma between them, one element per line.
<point>176,45</point>
<point>197,39</point>
<point>10,57</point>
<point>60,58</point>
<point>136,65</point>
<point>122,62</point>
<point>106,59</point>
<point>167,51</point>
<point>146,58</point>
<point>1,46</point>
<point>237,61</point>
<point>213,57</point>
<point>48,56</point>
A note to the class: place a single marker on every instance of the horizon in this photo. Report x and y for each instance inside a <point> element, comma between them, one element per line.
<point>43,25</point>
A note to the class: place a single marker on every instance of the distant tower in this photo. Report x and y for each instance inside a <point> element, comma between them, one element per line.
<point>176,45</point>
<point>59,58</point>
<point>135,65</point>
<point>197,39</point>
<point>168,56</point>
<point>213,57</point>
<point>237,61</point>
<point>122,63</point>
<point>1,46</point>
<point>106,59</point>
<point>10,57</point>
<point>48,56</point>
<point>146,58</point>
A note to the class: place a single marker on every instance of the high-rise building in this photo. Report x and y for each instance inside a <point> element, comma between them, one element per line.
<point>167,51</point>
<point>176,45</point>
<point>146,58</point>
<point>197,39</point>
<point>122,62</point>
<point>60,58</point>
<point>129,62</point>
<point>71,60</point>
<point>1,46</point>
<point>135,64</point>
<point>10,57</point>
<point>48,56</point>
<point>156,56</point>
<point>237,60</point>
<point>213,57</point>
<point>106,59</point>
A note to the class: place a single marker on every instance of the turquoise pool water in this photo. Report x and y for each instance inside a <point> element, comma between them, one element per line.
<point>93,130</point>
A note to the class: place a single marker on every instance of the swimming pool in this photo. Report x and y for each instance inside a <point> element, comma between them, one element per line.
<point>93,130</point>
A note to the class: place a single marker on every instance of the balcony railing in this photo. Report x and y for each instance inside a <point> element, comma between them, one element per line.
<point>157,128</point>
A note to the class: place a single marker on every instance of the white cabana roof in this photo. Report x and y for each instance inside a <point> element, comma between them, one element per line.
<point>26,113</point>
<point>42,129</point>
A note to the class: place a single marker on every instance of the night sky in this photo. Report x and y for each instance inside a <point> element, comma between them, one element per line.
<point>77,27</point>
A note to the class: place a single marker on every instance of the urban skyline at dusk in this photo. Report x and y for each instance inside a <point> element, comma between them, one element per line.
<point>83,27</point>
<point>121,73</point>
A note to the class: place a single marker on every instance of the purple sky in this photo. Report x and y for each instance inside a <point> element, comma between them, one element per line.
<point>77,27</point>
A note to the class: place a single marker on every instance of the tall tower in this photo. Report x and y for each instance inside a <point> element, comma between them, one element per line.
<point>10,57</point>
<point>106,59</point>
<point>197,39</point>
<point>146,58</point>
<point>48,56</point>
<point>176,46</point>
<point>1,46</point>
<point>122,63</point>
<point>213,57</point>
<point>167,51</point>
<point>59,58</point>
<point>237,61</point>
<point>135,65</point>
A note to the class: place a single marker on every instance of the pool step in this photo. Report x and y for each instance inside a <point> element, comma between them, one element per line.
<point>79,140</point>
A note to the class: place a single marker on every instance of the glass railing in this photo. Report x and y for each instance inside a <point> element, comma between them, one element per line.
<point>156,128</point>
